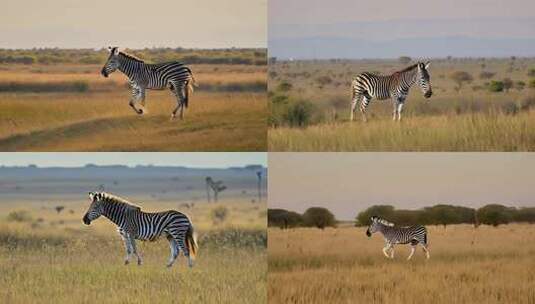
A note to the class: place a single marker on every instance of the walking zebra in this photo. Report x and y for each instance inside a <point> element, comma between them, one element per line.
<point>141,76</point>
<point>366,86</point>
<point>398,235</point>
<point>134,224</point>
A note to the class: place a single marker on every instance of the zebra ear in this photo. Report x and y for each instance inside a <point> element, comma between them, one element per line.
<point>91,195</point>
<point>427,64</point>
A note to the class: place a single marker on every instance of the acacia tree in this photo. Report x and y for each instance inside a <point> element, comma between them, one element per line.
<point>319,217</point>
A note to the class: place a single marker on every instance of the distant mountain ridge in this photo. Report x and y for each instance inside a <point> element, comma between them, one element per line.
<point>322,47</point>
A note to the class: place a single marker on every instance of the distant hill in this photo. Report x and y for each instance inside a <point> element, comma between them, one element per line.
<point>321,47</point>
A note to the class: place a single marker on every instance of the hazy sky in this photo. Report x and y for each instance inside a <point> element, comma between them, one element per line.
<point>75,159</point>
<point>348,28</point>
<point>133,24</point>
<point>347,183</point>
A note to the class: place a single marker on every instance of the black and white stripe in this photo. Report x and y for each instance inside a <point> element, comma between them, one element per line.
<point>134,224</point>
<point>412,235</point>
<point>142,76</point>
<point>366,86</point>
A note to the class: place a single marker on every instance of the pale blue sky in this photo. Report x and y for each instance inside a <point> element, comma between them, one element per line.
<point>76,159</point>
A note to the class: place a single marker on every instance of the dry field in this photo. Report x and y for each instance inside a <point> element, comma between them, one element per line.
<point>74,108</point>
<point>49,257</point>
<point>487,265</point>
<point>471,118</point>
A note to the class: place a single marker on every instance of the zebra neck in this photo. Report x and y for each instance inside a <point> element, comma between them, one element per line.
<point>115,213</point>
<point>130,67</point>
<point>408,79</point>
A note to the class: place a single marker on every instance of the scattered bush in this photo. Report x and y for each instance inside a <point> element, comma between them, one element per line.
<point>486,75</point>
<point>495,86</point>
<point>507,84</point>
<point>531,73</point>
<point>532,84</point>
<point>219,214</point>
<point>520,85</point>
<point>318,217</point>
<point>19,216</point>
<point>460,77</point>
<point>299,114</point>
<point>284,86</point>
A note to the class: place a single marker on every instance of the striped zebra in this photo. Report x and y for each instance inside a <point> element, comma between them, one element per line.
<point>141,76</point>
<point>412,235</point>
<point>134,224</point>
<point>366,86</point>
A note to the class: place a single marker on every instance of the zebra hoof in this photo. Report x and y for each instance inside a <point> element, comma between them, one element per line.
<point>126,262</point>
<point>168,265</point>
<point>139,263</point>
<point>140,112</point>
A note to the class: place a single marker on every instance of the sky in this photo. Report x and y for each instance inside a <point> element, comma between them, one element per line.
<point>293,31</point>
<point>347,183</point>
<point>186,159</point>
<point>133,23</point>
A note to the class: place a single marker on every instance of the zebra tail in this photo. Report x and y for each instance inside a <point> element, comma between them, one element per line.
<point>189,90</point>
<point>191,241</point>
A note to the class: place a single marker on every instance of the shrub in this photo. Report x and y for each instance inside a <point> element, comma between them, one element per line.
<point>284,86</point>
<point>531,73</point>
<point>460,77</point>
<point>532,84</point>
<point>496,86</point>
<point>318,217</point>
<point>299,114</point>
<point>324,80</point>
<point>509,108</point>
<point>486,75</point>
<point>507,84</point>
<point>520,85</point>
<point>19,216</point>
<point>219,214</point>
<point>527,103</point>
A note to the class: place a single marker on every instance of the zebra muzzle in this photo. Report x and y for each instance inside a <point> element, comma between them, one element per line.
<point>368,233</point>
<point>86,220</point>
<point>104,73</point>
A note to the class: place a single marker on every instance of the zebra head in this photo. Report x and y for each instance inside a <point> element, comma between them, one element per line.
<point>112,63</point>
<point>95,209</point>
<point>424,80</point>
<point>376,223</point>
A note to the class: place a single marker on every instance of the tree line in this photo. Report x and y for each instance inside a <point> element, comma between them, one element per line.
<point>90,56</point>
<point>442,214</point>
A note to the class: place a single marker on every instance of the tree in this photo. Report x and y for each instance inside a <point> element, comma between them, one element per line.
<point>404,59</point>
<point>460,77</point>
<point>507,84</point>
<point>384,211</point>
<point>494,214</point>
<point>283,218</point>
<point>318,217</point>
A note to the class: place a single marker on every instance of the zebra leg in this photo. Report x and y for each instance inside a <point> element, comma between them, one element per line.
<point>137,94</point>
<point>385,250</point>
<point>134,249</point>
<point>395,111</point>
<point>363,105</point>
<point>392,252</point>
<point>354,103</point>
<point>413,247</point>
<point>179,93</point>
<point>424,247</point>
<point>174,251</point>
<point>127,245</point>
<point>399,109</point>
<point>181,244</point>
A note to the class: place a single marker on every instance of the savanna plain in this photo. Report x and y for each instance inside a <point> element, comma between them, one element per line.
<point>467,265</point>
<point>478,104</point>
<point>56,100</point>
<point>49,256</point>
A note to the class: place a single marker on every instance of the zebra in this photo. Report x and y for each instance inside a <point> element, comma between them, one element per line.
<point>134,224</point>
<point>366,86</point>
<point>399,235</point>
<point>141,76</point>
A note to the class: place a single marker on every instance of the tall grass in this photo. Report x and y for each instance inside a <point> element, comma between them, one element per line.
<point>477,132</point>
<point>343,266</point>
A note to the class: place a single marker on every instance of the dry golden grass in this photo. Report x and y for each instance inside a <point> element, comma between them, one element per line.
<point>54,258</point>
<point>469,132</point>
<point>487,265</point>
<point>101,120</point>
<point>469,119</point>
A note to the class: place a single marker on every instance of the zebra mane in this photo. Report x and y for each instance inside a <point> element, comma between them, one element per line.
<point>409,68</point>
<point>110,198</point>
<point>131,57</point>
<point>382,221</point>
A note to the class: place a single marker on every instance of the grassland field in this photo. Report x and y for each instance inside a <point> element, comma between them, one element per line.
<point>71,107</point>
<point>50,257</point>
<point>471,118</point>
<point>467,265</point>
